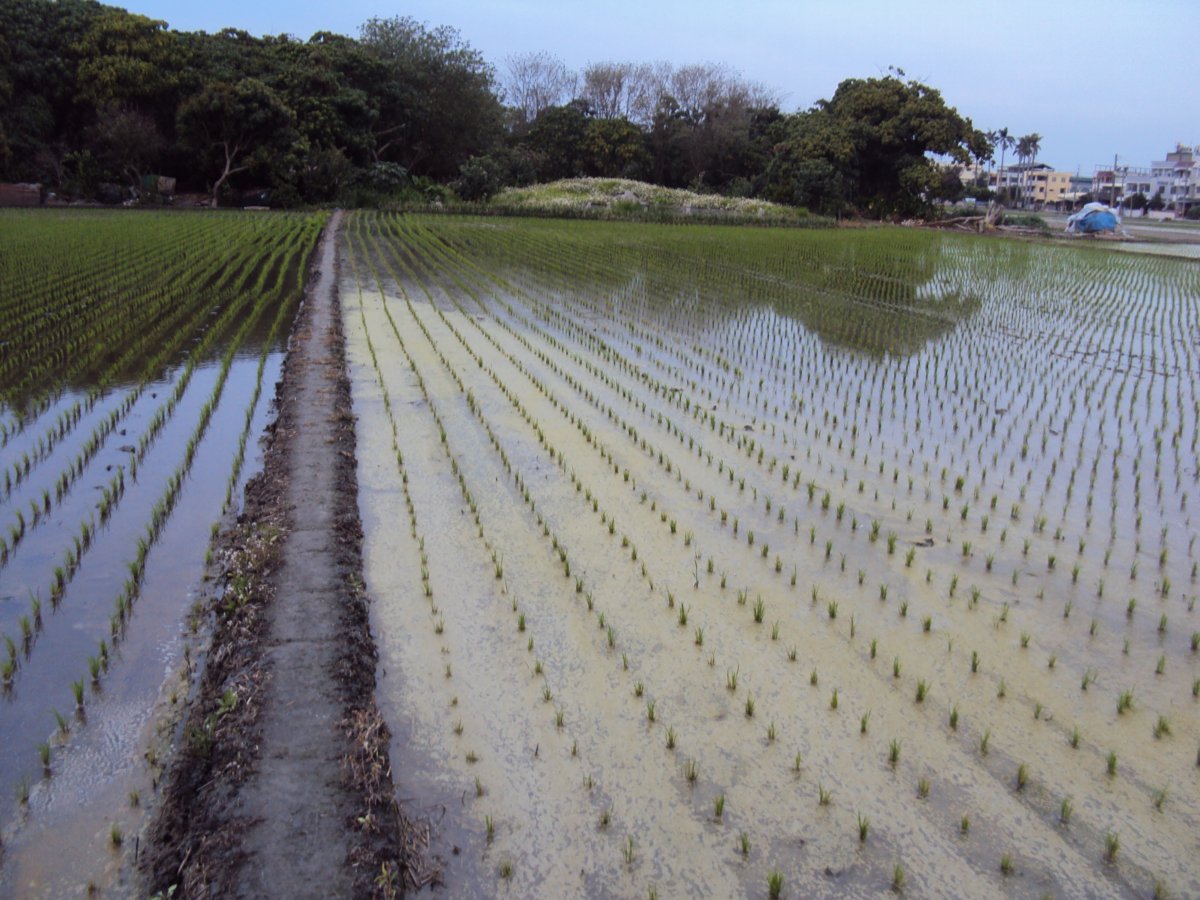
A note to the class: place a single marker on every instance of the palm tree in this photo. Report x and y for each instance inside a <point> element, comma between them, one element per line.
<point>1027,151</point>
<point>1034,142</point>
<point>1002,139</point>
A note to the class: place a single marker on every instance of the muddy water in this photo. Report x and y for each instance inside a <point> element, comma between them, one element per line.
<point>509,382</point>
<point>61,841</point>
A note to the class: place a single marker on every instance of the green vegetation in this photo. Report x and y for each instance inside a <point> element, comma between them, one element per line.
<point>136,346</point>
<point>410,112</point>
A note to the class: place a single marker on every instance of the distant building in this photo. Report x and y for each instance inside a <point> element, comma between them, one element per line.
<point>1177,178</point>
<point>1032,185</point>
<point>1115,187</point>
<point>1046,187</point>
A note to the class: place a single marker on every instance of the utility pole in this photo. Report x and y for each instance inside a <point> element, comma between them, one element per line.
<point>1115,202</point>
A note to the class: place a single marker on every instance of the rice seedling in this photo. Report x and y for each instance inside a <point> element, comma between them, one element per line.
<point>864,827</point>
<point>1125,701</point>
<point>1160,797</point>
<point>893,752</point>
<point>1112,846</point>
<point>899,879</point>
<point>1111,763</point>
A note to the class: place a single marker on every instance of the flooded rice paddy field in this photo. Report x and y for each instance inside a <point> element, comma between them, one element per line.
<point>719,562</point>
<point>136,350</point>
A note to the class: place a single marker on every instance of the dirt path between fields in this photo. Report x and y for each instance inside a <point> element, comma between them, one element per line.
<point>281,785</point>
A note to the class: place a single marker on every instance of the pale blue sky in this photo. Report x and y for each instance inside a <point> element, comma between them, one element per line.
<point>1093,78</point>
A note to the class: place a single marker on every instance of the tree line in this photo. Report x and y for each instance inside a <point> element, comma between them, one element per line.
<point>94,96</point>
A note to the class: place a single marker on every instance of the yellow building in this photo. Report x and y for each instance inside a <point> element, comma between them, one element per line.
<point>1045,187</point>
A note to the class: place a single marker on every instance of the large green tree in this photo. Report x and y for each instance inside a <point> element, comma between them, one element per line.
<point>557,138</point>
<point>877,138</point>
<point>435,101</point>
<point>235,127</point>
<point>614,147</point>
<point>126,59</point>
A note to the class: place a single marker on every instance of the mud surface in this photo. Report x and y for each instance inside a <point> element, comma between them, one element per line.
<point>281,784</point>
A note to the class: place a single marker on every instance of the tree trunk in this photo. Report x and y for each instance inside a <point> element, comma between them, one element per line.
<point>230,155</point>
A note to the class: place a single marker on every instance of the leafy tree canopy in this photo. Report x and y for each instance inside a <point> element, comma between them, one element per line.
<point>92,94</point>
<point>874,137</point>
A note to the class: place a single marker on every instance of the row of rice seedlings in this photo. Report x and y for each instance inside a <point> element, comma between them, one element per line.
<point>122,304</point>
<point>75,469</point>
<point>918,690</point>
<point>161,511</point>
<point>749,701</point>
<point>651,714</point>
<point>523,630</point>
<point>256,301</point>
<point>919,684</point>
<point>180,312</point>
<point>283,298</point>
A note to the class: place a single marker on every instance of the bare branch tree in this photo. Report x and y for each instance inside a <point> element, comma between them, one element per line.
<point>535,82</point>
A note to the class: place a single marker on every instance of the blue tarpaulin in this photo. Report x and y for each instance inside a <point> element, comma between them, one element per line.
<point>1094,218</point>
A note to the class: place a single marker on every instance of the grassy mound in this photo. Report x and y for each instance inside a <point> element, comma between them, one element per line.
<point>620,198</point>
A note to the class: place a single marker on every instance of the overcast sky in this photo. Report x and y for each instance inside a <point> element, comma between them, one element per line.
<point>1093,78</point>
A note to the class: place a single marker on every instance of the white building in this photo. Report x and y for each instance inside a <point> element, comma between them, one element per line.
<point>1177,177</point>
